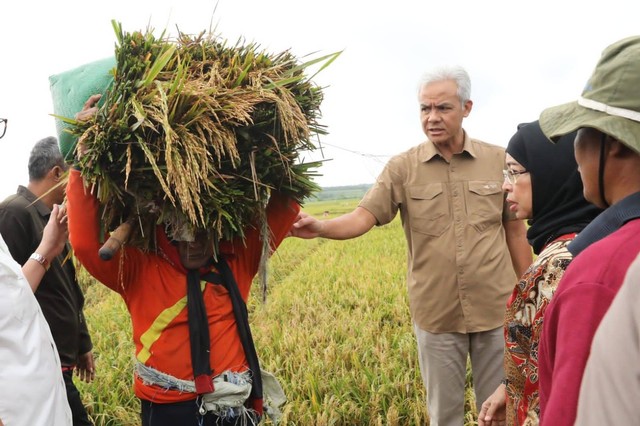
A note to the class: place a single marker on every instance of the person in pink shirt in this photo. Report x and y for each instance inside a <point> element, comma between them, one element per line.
<point>607,150</point>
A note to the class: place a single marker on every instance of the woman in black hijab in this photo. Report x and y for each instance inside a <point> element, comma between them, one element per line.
<point>543,185</point>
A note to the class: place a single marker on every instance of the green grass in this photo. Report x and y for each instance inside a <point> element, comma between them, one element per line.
<point>342,192</point>
<point>335,329</point>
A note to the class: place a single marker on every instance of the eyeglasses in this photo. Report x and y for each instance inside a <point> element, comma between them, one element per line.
<point>511,176</point>
<point>3,127</point>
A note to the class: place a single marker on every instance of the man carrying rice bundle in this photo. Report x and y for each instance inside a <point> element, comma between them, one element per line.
<point>210,189</point>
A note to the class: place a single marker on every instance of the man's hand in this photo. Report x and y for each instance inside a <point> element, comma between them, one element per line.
<point>86,367</point>
<point>349,225</point>
<point>494,410</point>
<point>305,226</point>
<point>55,233</point>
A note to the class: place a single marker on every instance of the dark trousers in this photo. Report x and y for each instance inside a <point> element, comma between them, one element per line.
<point>80,416</point>
<point>183,414</point>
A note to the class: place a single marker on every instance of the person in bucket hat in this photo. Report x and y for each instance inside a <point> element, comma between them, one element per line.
<point>607,150</point>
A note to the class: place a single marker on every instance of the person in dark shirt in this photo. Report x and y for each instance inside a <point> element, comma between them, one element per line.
<point>23,217</point>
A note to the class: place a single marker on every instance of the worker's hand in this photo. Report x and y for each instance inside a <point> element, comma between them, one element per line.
<point>88,111</point>
<point>494,410</point>
<point>86,367</point>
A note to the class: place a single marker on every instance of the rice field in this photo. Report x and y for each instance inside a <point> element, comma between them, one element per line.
<point>335,330</point>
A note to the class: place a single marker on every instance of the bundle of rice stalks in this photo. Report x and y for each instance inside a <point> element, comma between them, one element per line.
<point>196,134</point>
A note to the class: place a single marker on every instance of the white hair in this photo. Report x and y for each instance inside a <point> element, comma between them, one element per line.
<point>449,72</point>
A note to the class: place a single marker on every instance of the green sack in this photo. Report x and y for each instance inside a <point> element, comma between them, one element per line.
<point>71,89</point>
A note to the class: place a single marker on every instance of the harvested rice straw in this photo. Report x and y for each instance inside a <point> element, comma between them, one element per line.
<point>196,134</point>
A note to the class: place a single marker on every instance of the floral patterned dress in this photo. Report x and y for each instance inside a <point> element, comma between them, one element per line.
<point>522,328</point>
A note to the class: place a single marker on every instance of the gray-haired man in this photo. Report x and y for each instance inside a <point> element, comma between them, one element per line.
<point>463,244</point>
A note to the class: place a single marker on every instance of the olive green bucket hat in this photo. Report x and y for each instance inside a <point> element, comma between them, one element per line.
<point>610,101</point>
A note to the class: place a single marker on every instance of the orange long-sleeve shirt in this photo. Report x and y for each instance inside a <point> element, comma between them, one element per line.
<point>154,288</point>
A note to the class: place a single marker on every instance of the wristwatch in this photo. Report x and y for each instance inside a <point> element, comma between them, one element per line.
<point>41,260</point>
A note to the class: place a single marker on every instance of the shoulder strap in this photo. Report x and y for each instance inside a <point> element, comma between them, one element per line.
<point>225,278</point>
<point>198,334</point>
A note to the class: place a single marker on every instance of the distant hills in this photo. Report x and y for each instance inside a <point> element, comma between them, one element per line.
<point>342,192</point>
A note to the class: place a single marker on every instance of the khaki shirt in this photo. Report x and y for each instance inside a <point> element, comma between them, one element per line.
<point>459,271</point>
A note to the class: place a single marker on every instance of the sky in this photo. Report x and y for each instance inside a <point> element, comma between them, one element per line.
<point>522,57</point>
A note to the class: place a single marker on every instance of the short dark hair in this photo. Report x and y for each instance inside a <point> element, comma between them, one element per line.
<point>45,155</point>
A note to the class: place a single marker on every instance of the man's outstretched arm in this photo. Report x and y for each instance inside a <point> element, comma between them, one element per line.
<point>344,227</point>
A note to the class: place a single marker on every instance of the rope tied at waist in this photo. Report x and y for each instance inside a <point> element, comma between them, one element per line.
<point>232,389</point>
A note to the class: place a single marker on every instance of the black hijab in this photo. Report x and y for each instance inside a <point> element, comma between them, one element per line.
<point>558,204</point>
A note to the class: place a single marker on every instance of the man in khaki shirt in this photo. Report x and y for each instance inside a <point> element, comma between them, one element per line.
<point>465,250</point>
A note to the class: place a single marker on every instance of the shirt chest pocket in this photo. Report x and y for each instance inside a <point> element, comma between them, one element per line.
<point>485,201</point>
<point>428,208</point>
